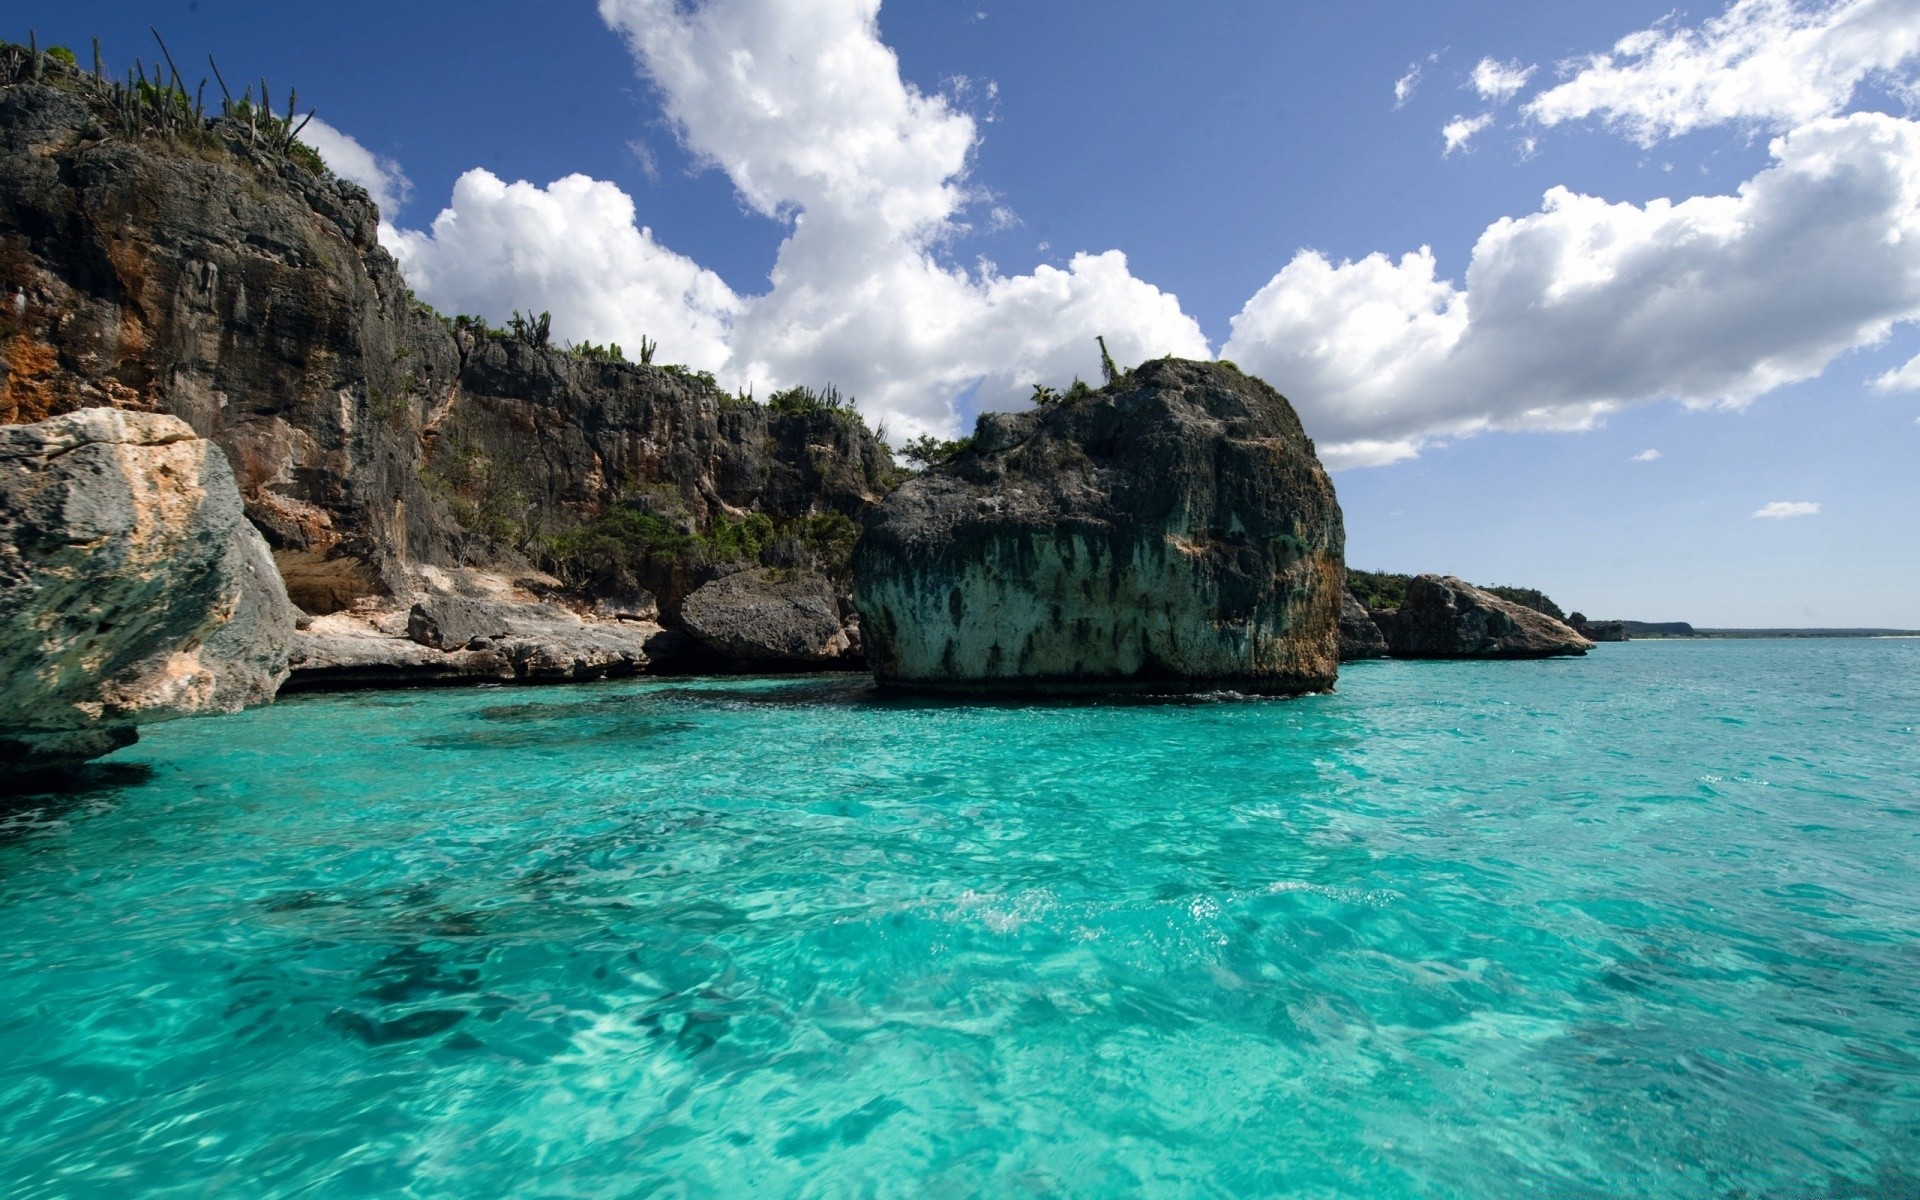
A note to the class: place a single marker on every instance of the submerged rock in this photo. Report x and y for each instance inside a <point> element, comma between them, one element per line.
<point>132,588</point>
<point>1443,617</point>
<point>770,619</point>
<point>1170,532</point>
<point>1360,636</point>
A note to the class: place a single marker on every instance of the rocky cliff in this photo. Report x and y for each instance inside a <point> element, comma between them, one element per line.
<point>156,262</point>
<point>132,590</point>
<point>1171,531</point>
<point>1444,617</point>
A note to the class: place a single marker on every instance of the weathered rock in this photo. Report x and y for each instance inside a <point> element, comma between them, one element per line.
<point>451,622</point>
<point>1443,617</point>
<point>535,643</point>
<point>550,645</point>
<point>770,619</point>
<point>1360,637</point>
<point>1602,631</point>
<point>1170,532</point>
<point>337,652</point>
<point>132,588</point>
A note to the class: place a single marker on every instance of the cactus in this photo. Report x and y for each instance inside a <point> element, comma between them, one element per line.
<point>226,102</point>
<point>1107,368</point>
<point>647,347</point>
<point>99,64</point>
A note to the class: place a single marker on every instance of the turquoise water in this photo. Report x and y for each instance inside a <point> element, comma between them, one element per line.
<point>1646,924</point>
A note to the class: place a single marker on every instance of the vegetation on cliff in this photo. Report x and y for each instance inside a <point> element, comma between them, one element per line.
<point>1386,589</point>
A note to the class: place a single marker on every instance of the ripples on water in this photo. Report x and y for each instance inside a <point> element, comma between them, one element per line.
<point>1646,924</point>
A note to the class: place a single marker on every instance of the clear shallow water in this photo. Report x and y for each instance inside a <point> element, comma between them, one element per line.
<point>1646,924</point>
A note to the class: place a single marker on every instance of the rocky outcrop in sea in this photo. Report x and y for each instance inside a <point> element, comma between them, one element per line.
<point>1444,617</point>
<point>1172,531</point>
<point>1360,636</point>
<point>132,587</point>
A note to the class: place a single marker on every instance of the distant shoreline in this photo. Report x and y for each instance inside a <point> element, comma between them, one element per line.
<point>1702,635</point>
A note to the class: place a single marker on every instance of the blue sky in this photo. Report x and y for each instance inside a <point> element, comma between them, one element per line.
<point>793,191</point>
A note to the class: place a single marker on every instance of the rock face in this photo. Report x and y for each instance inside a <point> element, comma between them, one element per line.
<point>1444,617</point>
<point>247,294</point>
<point>132,588</point>
<point>1170,532</point>
<point>1360,637</point>
<point>1602,631</point>
<point>451,622</point>
<point>771,620</point>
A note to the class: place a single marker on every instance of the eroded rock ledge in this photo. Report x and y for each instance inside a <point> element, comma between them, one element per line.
<point>1171,532</point>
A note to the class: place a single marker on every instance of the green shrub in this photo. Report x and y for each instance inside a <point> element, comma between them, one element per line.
<point>704,379</point>
<point>798,401</point>
<point>610,352</point>
<point>1378,589</point>
<point>927,450</point>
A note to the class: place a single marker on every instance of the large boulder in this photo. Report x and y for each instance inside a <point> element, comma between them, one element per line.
<point>1360,637</point>
<point>771,619</point>
<point>1443,617</point>
<point>1172,531</point>
<point>132,588</point>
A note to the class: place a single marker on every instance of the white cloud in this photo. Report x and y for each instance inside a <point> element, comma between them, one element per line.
<point>1498,81</point>
<point>347,158</point>
<point>1460,130</point>
<point>1585,306</point>
<point>1647,456</point>
<point>1561,316</point>
<point>1781,510</point>
<point>1771,64</point>
<point>572,248</point>
<point>804,108</point>
<point>1901,379</point>
<point>1405,86</point>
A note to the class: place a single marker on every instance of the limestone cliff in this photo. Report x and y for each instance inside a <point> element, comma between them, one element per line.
<point>191,269</point>
<point>1172,531</point>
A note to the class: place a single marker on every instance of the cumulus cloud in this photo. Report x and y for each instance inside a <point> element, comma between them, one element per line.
<point>1901,379</point>
<point>1460,130</point>
<point>1500,81</point>
<point>1646,456</point>
<point>1586,305</point>
<point>573,248</point>
<point>1559,318</point>
<point>1781,510</point>
<point>347,158</point>
<point>804,108</point>
<point>1770,64</point>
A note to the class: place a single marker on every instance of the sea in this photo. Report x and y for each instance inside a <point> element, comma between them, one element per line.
<point>1643,924</point>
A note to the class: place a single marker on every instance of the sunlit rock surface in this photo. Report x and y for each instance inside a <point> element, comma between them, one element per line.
<point>132,588</point>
